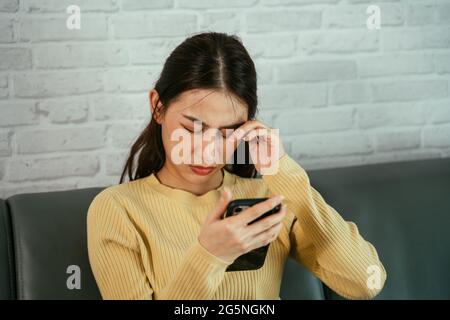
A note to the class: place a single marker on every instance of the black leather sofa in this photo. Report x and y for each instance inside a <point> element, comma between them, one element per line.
<point>403,208</point>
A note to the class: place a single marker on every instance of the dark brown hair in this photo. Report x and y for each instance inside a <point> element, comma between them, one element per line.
<point>203,61</point>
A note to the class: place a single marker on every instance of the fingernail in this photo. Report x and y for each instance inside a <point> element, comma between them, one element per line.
<point>278,199</point>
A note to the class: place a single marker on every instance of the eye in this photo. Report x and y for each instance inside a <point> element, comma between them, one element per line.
<point>189,130</point>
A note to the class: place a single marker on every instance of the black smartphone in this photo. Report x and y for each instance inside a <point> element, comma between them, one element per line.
<point>254,259</point>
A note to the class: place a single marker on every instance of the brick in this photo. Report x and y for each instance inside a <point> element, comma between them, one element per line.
<point>332,162</point>
<point>401,156</point>
<point>264,73</point>
<point>84,55</point>
<point>201,4</point>
<point>5,143</point>
<point>131,80</point>
<point>135,26</point>
<point>146,5</point>
<point>6,30</point>
<point>397,140</point>
<point>395,64</point>
<point>438,111</point>
<point>2,173</point>
<point>65,110</point>
<point>442,62</point>
<point>9,5</point>
<point>18,113</point>
<point>270,46</point>
<point>121,107</point>
<point>436,136</point>
<point>47,84</point>
<point>366,1</point>
<point>354,16</point>
<point>271,21</point>
<point>3,87</point>
<point>332,144</point>
<point>55,29</point>
<point>227,22</point>
<point>409,90</point>
<point>115,163</point>
<point>123,135</point>
<point>420,14</point>
<point>316,71</point>
<point>153,51</point>
<point>267,116</point>
<point>307,121</point>
<point>337,41</point>
<point>294,2</point>
<point>293,96</point>
<point>15,58</point>
<point>426,37</point>
<point>350,92</point>
<point>53,168</point>
<point>391,115</point>
<point>33,187</point>
<point>50,140</point>
<point>443,13</point>
<point>97,181</point>
<point>34,6</point>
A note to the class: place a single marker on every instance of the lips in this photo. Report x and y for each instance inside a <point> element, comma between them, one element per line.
<point>203,171</point>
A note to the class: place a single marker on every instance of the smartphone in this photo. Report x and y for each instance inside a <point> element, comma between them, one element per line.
<point>254,259</point>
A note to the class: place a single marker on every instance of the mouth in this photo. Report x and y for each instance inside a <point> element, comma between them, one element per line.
<point>203,171</point>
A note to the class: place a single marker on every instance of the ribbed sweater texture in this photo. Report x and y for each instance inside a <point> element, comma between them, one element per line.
<point>142,241</point>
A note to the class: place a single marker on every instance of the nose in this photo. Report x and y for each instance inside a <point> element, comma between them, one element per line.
<point>208,153</point>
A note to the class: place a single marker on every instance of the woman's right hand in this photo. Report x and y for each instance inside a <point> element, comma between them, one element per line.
<point>232,237</point>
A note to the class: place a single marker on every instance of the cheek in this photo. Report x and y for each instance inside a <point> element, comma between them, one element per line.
<point>167,140</point>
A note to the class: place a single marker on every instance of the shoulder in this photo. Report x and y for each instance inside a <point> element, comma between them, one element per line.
<point>114,203</point>
<point>251,187</point>
<point>123,194</point>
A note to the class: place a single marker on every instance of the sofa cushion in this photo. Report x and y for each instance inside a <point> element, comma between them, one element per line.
<point>50,245</point>
<point>403,209</point>
<point>7,278</point>
<point>300,284</point>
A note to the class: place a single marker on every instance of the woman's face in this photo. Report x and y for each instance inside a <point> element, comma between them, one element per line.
<point>203,118</point>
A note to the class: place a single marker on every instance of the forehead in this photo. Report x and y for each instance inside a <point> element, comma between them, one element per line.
<point>214,107</point>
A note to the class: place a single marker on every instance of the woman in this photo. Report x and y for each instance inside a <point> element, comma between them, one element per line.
<point>161,235</point>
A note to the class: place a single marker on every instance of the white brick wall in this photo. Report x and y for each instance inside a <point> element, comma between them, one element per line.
<point>72,101</point>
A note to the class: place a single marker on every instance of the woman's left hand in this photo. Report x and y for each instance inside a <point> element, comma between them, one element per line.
<point>265,145</point>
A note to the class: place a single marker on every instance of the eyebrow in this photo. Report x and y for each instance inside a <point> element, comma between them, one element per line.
<point>231,126</point>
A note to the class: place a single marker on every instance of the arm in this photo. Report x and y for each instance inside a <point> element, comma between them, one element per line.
<point>117,261</point>
<point>331,248</point>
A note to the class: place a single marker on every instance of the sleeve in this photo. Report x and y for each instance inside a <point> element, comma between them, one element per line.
<point>331,248</point>
<point>118,268</point>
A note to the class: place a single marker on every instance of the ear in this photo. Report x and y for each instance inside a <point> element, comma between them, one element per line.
<point>155,110</point>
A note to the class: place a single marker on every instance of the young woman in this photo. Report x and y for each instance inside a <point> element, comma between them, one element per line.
<point>161,235</point>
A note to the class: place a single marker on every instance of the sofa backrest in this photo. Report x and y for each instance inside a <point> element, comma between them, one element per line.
<point>7,276</point>
<point>49,236</point>
<point>403,209</point>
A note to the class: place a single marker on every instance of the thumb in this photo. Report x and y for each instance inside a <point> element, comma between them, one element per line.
<point>217,212</point>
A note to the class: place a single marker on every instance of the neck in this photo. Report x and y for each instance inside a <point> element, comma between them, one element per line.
<point>169,177</point>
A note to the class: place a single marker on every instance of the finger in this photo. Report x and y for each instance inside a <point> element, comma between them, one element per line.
<point>259,133</point>
<point>265,237</point>
<point>240,132</point>
<point>267,222</point>
<point>255,211</point>
<point>219,210</point>
<point>232,142</point>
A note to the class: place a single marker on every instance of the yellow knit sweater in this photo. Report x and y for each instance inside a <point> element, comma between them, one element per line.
<point>142,241</point>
